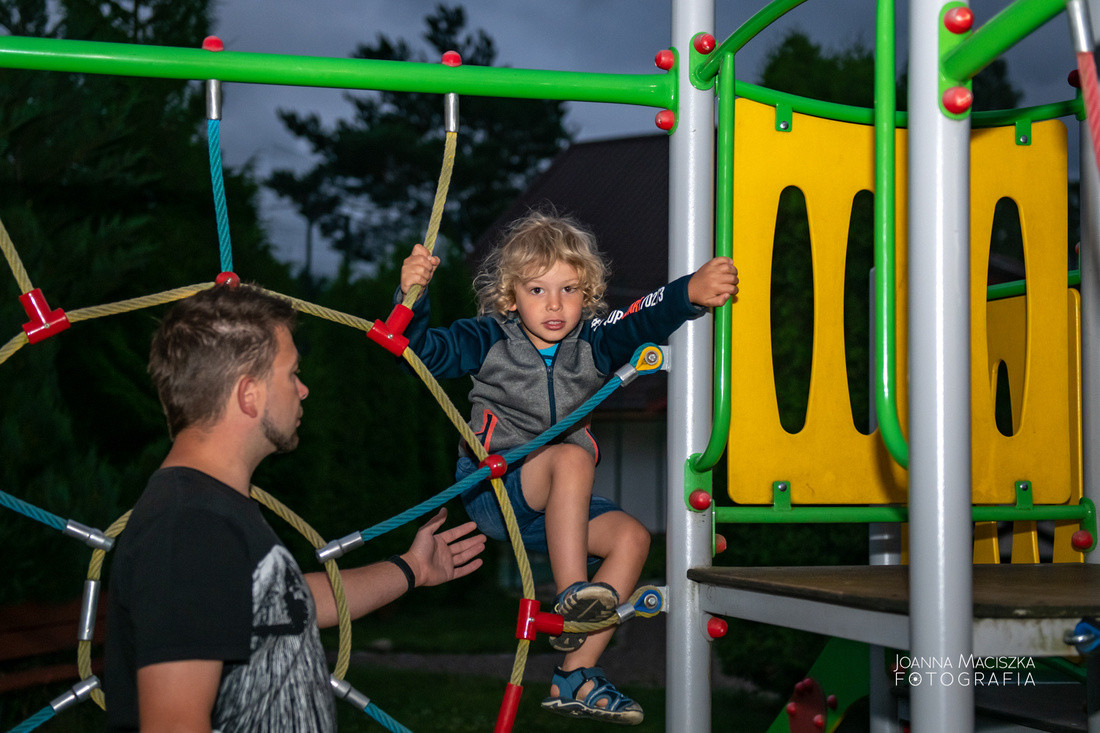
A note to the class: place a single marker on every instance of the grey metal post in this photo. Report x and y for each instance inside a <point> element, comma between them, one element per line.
<point>1090,328</point>
<point>940,575</point>
<point>691,241</point>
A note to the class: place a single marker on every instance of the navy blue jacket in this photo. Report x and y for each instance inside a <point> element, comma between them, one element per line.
<point>515,396</point>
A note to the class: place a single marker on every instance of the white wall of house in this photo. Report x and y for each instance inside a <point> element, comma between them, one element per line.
<point>632,468</point>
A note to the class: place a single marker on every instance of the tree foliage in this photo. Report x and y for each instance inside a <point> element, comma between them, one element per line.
<point>374,183</point>
<point>105,191</point>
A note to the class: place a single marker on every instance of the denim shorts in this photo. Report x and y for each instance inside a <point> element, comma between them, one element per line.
<point>481,504</point>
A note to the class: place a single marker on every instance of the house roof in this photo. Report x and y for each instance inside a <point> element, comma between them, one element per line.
<point>618,189</point>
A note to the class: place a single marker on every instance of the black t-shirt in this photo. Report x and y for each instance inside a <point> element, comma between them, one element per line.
<point>199,574</point>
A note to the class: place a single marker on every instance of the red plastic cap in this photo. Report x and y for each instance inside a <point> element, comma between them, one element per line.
<point>452,58</point>
<point>831,701</point>
<point>665,119</point>
<point>959,19</point>
<point>1081,539</point>
<point>497,465</point>
<point>792,708</point>
<point>717,628</point>
<point>720,543</point>
<point>699,500</point>
<point>957,100</point>
<point>212,43</point>
<point>665,59</point>
<point>227,278</point>
<point>704,43</point>
<point>819,721</point>
<point>1074,79</point>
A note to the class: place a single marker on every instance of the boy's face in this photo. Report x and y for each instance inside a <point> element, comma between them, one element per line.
<point>549,306</point>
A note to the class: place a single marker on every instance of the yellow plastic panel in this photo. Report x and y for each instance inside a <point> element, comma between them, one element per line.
<point>1064,529</point>
<point>828,461</point>
<point>1033,345</point>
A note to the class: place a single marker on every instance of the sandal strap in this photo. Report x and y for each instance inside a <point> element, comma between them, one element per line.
<point>569,682</point>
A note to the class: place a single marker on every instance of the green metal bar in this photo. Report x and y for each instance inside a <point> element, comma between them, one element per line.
<point>1019,287</point>
<point>859,515</point>
<point>865,116</point>
<point>723,319</point>
<point>46,54</point>
<point>1003,31</point>
<point>748,30</point>
<point>886,385</point>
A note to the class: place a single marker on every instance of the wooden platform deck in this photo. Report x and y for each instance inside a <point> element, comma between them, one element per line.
<point>1018,609</point>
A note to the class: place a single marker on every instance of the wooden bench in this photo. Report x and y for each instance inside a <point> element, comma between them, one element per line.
<point>32,630</point>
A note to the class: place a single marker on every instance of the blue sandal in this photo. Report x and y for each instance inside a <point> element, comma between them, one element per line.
<point>618,709</point>
<point>586,603</point>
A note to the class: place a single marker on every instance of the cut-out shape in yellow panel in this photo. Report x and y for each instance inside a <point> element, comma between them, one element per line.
<point>829,461</point>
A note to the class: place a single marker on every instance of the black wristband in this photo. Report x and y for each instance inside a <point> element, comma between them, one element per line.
<point>404,566</point>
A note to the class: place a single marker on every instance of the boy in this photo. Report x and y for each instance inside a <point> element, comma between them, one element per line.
<point>536,352</point>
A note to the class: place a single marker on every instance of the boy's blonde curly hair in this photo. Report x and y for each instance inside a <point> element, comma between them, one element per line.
<point>531,246</point>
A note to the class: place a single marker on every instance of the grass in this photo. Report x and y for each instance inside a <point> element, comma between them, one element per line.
<point>425,701</point>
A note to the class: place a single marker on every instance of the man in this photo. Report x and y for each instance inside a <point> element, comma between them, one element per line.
<point>211,625</point>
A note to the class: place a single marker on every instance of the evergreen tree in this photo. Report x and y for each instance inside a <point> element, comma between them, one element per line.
<point>379,170</point>
<point>105,191</point>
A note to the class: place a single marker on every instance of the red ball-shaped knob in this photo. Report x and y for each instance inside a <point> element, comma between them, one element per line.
<point>665,119</point>
<point>957,100</point>
<point>452,58</point>
<point>819,721</point>
<point>1081,539</point>
<point>699,500</point>
<point>497,466</point>
<point>831,702</point>
<point>792,708</point>
<point>704,43</point>
<point>665,59</point>
<point>717,628</point>
<point>228,278</point>
<point>720,543</point>
<point>1074,79</point>
<point>959,20</point>
<point>212,43</point>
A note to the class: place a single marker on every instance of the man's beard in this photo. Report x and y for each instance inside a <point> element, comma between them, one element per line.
<point>283,442</point>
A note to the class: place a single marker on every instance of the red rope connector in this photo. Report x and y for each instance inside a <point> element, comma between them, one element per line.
<point>390,335</point>
<point>531,620</point>
<point>508,708</point>
<point>44,322</point>
<point>497,465</point>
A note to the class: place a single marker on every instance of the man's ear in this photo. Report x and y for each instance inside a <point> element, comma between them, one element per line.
<point>248,394</point>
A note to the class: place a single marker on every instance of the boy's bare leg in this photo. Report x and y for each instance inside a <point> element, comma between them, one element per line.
<point>623,542</point>
<point>557,479</point>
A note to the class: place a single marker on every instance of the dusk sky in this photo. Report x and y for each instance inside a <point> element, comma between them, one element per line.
<point>609,36</point>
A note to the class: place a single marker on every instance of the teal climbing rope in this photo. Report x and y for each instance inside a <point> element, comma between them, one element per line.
<point>32,512</point>
<point>385,720</point>
<point>214,143</point>
<point>510,458</point>
<point>34,721</point>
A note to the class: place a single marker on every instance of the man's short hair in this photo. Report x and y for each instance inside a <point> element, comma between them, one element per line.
<point>207,342</point>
